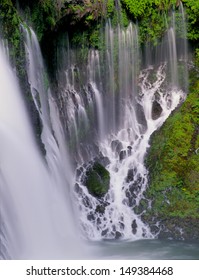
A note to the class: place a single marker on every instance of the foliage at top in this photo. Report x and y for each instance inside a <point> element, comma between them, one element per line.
<point>87,16</point>
<point>192,7</point>
<point>139,8</point>
<point>10,23</point>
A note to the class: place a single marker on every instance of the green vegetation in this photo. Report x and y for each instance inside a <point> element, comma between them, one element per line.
<point>173,162</point>
<point>97,180</point>
<point>88,16</point>
<point>43,17</point>
<point>192,8</point>
<point>10,21</point>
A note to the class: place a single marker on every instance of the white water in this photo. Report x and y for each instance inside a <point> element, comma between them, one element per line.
<point>36,217</point>
<point>128,104</point>
<point>119,218</point>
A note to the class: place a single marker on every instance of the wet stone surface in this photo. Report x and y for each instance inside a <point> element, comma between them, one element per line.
<point>134,226</point>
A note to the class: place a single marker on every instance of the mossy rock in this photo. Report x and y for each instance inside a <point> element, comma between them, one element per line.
<point>97,180</point>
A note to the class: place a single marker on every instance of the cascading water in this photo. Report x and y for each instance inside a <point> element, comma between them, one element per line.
<point>128,175</point>
<point>128,105</point>
<point>104,111</point>
<point>37,219</point>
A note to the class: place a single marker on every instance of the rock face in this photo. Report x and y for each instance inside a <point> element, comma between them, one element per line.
<point>97,179</point>
<point>116,146</point>
<point>104,161</point>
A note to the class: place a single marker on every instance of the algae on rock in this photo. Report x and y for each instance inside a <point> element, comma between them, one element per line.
<point>97,179</point>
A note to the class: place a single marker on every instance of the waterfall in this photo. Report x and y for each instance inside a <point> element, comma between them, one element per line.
<point>105,109</point>
<point>129,100</point>
<point>37,220</point>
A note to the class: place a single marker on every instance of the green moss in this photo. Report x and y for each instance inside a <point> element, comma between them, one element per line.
<point>10,21</point>
<point>97,180</point>
<point>192,9</point>
<point>174,164</point>
<point>43,16</point>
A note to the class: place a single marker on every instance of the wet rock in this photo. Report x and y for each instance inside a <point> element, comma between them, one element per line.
<point>156,110</point>
<point>99,221</point>
<point>100,208</point>
<point>86,202</point>
<point>121,225</point>
<point>130,199</point>
<point>114,228</point>
<point>122,155</point>
<point>125,202</point>
<point>104,232</point>
<point>141,116</point>
<point>137,184</point>
<point>78,189</point>
<point>154,229</point>
<point>97,180</point>
<point>104,161</point>
<point>91,217</point>
<point>116,146</point>
<point>130,175</point>
<point>118,235</point>
<point>79,172</point>
<point>134,189</point>
<point>134,227</point>
<point>129,150</point>
<point>143,232</point>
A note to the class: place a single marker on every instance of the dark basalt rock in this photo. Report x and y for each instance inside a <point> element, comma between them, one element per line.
<point>122,155</point>
<point>141,116</point>
<point>156,110</point>
<point>121,225</point>
<point>129,150</point>
<point>86,202</point>
<point>130,175</point>
<point>78,189</point>
<point>118,235</point>
<point>116,146</point>
<point>100,208</point>
<point>79,172</point>
<point>102,160</point>
<point>134,226</point>
<point>104,232</point>
<point>91,216</point>
<point>130,198</point>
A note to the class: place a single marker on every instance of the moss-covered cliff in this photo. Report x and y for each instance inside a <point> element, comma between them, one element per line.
<point>173,163</point>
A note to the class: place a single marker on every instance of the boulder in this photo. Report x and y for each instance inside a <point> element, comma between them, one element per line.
<point>102,160</point>
<point>134,226</point>
<point>130,175</point>
<point>129,150</point>
<point>122,155</point>
<point>156,110</point>
<point>116,146</point>
<point>97,180</point>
